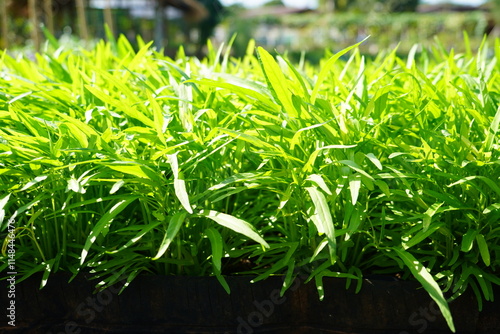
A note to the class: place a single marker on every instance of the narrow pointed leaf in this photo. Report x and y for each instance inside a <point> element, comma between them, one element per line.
<point>428,283</point>
<point>216,243</point>
<point>100,226</point>
<point>328,67</point>
<point>277,81</point>
<point>174,226</point>
<point>179,184</point>
<point>235,224</point>
<point>322,218</point>
<point>483,249</point>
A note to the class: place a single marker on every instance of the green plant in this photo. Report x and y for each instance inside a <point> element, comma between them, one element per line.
<point>118,162</point>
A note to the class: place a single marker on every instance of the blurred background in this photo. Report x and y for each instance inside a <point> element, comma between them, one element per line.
<point>291,26</point>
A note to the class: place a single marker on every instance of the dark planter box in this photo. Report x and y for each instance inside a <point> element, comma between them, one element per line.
<point>159,304</point>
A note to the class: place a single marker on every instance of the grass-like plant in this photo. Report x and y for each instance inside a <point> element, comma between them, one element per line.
<point>116,162</point>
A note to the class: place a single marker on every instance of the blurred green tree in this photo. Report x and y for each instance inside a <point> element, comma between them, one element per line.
<point>364,6</point>
<point>274,3</point>
<point>401,5</point>
<point>209,23</point>
<point>336,5</point>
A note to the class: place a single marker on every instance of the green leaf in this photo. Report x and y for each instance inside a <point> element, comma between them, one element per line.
<point>494,129</point>
<point>430,213</point>
<point>158,117</point>
<point>246,89</point>
<point>312,158</point>
<point>75,186</point>
<point>374,160</point>
<point>322,219</point>
<point>468,240</point>
<point>492,184</point>
<point>235,224</point>
<point>136,238</point>
<point>179,184</point>
<point>248,138</point>
<point>222,282</point>
<point>328,67</point>
<point>284,261</point>
<point>118,184</point>
<point>354,186</point>
<point>328,273</point>
<point>277,81</point>
<point>134,170</point>
<point>483,249</point>
<point>3,202</point>
<point>492,208</point>
<point>216,243</point>
<point>356,167</point>
<point>173,228</point>
<point>422,235</point>
<point>35,181</point>
<point>428,283</point>
<point>300,78</point>
<point>289,276</point>
<point>49,265</point>
<point>383,187</point>
<point>118,104</point>
<point>101,225</point>
<point>50,38</point>
<point>320,182</point>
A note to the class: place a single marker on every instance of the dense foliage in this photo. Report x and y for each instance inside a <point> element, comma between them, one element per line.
<point>116,162</point>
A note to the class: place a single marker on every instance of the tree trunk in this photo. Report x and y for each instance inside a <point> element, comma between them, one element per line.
<point>82,21</point>
<point>35,32</point>
<point>4,40</point>
<point>108,17</point>
<point>49,15</point>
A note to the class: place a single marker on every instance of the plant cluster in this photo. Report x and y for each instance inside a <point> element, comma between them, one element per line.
<point>115,162</point>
